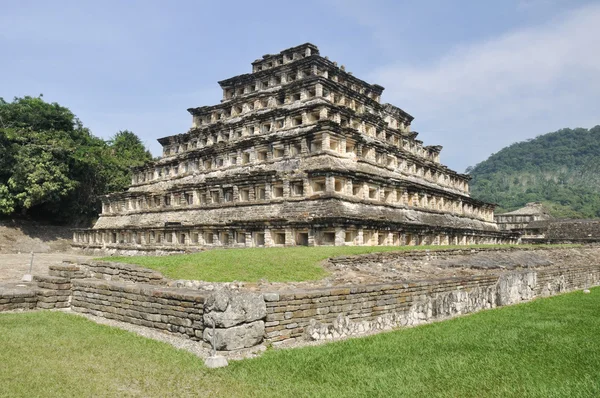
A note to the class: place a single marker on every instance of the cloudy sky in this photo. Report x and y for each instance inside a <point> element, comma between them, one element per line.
<point>476,75</point>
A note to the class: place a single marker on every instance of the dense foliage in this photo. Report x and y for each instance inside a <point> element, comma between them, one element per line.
<point>53,168</point>
<point>560,169</point>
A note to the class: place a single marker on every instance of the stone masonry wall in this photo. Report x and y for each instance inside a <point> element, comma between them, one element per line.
<point>178,311</point>
<point>394,256</point>
<point>235,319</point>
<point>53,292</point>
<point>574,230</point>
<point>113,271</point>
<point>555,281</point>
<point>46,292</point>
<point>17,298</point>
<point>343,311</point>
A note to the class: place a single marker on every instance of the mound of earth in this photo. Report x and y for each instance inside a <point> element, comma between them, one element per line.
<point>389,267</point>
<point>419,265</point>
<point>27,236</point>
<point>508,260</point>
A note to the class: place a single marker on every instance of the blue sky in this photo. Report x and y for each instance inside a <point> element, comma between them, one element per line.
<point>476,75</point>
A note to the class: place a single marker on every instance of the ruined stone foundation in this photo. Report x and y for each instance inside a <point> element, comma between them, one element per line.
<point>298,152</point>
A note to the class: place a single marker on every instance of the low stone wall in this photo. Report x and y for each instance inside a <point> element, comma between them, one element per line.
<point>46,292</point>
<point>67,270</point>
<point>230,320</point>
<point>554,281</point>
<point>337,312</point>
<point>573,230</point>
<point>593,241</point>
<point>53,292</point>
<point>14,298</point>
<point>122,272</point>
<point>412,255</point>
<point>175,310</point>
<point>235,319</point>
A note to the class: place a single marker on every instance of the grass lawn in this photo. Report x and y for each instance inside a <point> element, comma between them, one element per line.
<point>278,264</point>
<point>546,348</point>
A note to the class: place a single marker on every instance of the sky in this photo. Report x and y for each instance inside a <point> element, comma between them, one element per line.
<point>476,75</point>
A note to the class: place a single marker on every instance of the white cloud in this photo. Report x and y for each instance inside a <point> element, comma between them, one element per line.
<point>506,89</point>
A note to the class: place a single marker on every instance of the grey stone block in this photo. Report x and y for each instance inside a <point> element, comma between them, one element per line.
<point>227,309</point>
<point>237,337</point>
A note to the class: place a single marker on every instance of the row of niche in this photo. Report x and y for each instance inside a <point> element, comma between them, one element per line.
<point>299,119</point>
<point>284,57</point>
<point>273,237</point>
<point>301,146</point>
<point>303,188</point>
<point>501,218</point>
<point>285,77</point>
<point>227,112</point>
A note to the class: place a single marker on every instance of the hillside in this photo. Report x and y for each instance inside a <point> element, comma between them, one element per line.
<point>560,169</point>
<point>29,236</point>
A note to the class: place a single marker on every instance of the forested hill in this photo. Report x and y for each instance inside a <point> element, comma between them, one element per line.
<point>560,169</point>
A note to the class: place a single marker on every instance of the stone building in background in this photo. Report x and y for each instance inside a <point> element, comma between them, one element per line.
<point>298,152</point>
<point>562,231</point>
<point>519,219</point>
<point>536,225</point>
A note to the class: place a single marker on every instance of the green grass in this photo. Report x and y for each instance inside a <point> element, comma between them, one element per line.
<point>546,348</point>
<point>279,264</point>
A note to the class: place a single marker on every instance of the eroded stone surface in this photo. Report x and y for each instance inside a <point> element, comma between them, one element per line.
<point>236,337</point>
<point>226,308</point>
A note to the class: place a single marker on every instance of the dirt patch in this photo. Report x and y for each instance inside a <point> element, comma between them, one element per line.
<point>13,266</point>
<point>50,244</point>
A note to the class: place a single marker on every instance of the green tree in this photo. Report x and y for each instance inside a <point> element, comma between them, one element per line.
<point>40,172</point>
<point>126,151</point>
<point>52,167</point>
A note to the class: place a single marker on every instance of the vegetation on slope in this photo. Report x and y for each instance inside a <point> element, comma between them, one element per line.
<point>560,169</point>
<point>53,168</point>
<point>545,348</point>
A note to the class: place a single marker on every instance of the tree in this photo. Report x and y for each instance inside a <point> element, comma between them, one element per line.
<point>40,172</point>
<point>126,150</point>
<point>52,167</point>
<point>37,139</point>
<point>33,113</point>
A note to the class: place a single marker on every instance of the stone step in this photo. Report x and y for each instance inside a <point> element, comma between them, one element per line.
<point>66,270</point>
<point>52,282</point>
<point>47,294</point>
<point>50,298</point>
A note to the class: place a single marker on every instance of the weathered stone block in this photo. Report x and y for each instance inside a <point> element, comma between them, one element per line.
<point>227,309</point>
<point>236,337</point>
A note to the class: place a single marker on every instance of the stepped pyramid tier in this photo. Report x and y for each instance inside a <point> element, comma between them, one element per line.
<point>298,152</point>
